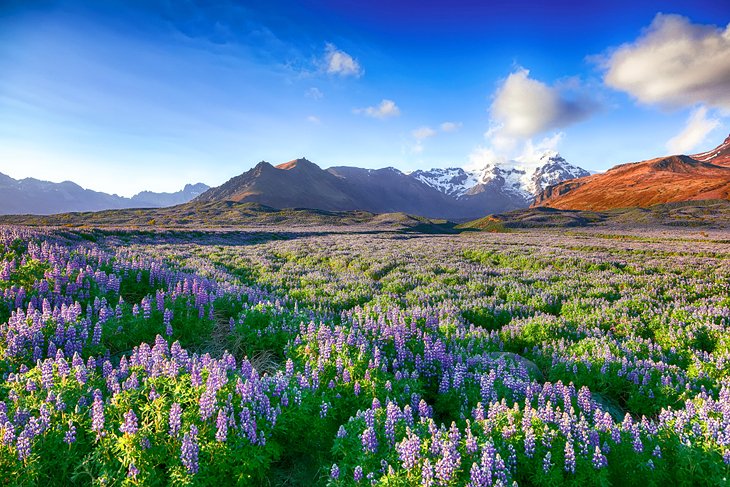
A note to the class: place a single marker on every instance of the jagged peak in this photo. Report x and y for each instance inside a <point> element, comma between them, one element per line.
<point>301,162</point>
<point>262,164</point>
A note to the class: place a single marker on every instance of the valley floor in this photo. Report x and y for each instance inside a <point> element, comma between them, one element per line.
<point>333,356</point>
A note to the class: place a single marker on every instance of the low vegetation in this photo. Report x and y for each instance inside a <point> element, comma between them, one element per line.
<point>362,358</point>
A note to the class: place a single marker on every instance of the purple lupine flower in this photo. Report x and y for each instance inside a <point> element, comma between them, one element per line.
<point>369,440</point>
<point>529,442</point>
<point>599,459</point>
<point>335,472</point>
<point>207,404</point>
<point>477,477</point>
<point>569,457</point>
<point>47,373</point>
<point>427,474</point>
<point>167,321</point>
<point>97,414</point>
<point>222,423</point>
<point>189,450</point>
<point>130,423</point>
<point>409,450</point>
<point>132,471</point>
<point>547,462</point>
<point>471,444</point>
<point>96,337</point>
<point>62,364</point>
<point>357,474</point>
<point>174,419</point>
<point>23,445</point>
<point>637,444</point>
<point>424,410</point>
<point>8,434</point>
<point>447,464</point>
<point>70,435</point>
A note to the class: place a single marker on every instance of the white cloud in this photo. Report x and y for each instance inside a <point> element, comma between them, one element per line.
<point>386,109</point>
<point>694,133</point>
<point>314,93</point>
<point>423,133</point>
<point>340,63</point>
<point>525,152</point>
<point>482,156</point>
<point>524,107</point>
<point>450,126</point>
<point>674,63</point>
<point>531,151</point>
<point>313,119</point>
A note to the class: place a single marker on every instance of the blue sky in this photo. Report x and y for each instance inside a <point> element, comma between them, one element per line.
<point>126,96</point>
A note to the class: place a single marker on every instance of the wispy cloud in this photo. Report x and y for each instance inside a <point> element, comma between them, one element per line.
<point>423,133</point>
<point>694,132</point>
<point>674,63</point>
<point>450,126</point>
<point>314,93</point>
<point>340,63</point>
<point>386,109</point>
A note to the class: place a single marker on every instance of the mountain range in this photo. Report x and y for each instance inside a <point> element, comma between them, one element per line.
<point>452,193</point>
<point>33,196</point>
<point>670,179</point>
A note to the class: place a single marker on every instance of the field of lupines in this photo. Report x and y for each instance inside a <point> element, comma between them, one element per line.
<point>363,359</point>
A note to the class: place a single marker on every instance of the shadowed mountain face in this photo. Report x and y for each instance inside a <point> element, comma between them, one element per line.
<point>295,184</point>
<point>33,196</point>
<point>302,184</point>
<point>662,180</point>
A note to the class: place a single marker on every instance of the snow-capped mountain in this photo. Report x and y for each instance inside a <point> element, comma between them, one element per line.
<point>453,181</point>
<point>553,169</point>
<point>522,179</point>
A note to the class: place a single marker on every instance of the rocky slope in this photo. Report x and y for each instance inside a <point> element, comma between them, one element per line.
<point>668,179</point>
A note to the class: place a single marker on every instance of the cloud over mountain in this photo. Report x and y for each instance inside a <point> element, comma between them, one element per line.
<point>674,63</point>
<point>525,107</point>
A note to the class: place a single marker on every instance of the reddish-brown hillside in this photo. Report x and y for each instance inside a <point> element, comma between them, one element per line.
<point>720,156</point>
<point>661,180</point>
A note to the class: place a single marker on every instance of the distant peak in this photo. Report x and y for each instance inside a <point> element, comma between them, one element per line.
<point>296,163</point>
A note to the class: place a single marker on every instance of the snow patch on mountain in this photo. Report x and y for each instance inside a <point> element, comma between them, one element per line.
<point>453,181</point>
<point>523,178</point>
